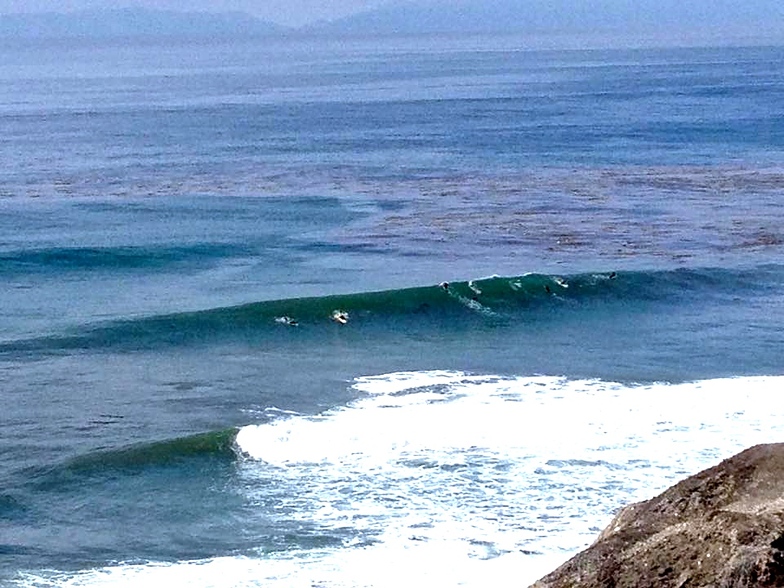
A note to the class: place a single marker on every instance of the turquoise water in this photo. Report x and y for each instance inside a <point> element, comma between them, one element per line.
<point>416,310</point>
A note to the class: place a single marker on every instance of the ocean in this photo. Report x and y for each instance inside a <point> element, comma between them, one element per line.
<point>416,311</point>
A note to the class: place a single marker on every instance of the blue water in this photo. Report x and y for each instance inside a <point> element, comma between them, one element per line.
<point>558,272</point>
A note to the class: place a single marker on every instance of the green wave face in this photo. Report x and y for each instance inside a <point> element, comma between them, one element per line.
<point>136,458</point>
<point>175,485</point>
<point>488,301</point>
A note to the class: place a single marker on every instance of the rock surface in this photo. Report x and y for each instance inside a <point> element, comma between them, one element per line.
<point>723,528</point>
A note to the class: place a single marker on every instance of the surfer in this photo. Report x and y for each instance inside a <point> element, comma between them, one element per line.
<point>286,320</point>
<point>444,286</point>
<point>340,316</point>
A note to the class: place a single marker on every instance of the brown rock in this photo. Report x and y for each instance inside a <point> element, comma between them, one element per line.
<point>722,528</point>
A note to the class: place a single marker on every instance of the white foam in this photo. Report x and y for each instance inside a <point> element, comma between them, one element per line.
<point>449,479</point>
<point>380,567</point>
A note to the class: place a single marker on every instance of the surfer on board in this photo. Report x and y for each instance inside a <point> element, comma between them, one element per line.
<point>340,316</point>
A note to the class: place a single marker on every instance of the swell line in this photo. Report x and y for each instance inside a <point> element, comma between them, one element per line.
<point>216,444</point>
<point>65,259</point>
<point>489,299</point>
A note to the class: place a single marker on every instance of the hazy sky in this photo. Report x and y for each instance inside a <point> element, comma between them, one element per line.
<point>292,12</point>
<point>684,13</point>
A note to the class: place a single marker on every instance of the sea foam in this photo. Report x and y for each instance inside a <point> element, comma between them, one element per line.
<point>453,479</point>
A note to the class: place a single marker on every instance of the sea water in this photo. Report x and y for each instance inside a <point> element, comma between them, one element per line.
<point>557,275</point>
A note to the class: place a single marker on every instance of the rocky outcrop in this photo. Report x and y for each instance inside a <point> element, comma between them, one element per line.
<point>722,528</point>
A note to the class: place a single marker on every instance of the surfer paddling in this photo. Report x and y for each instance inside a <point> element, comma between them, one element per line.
<point>286,320</point>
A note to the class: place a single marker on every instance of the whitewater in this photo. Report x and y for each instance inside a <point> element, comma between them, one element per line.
<point>459,480</point>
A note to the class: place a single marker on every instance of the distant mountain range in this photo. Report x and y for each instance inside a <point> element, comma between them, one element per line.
<point>559,16</point>
<point>133,22</point>
<point>404,16</point>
